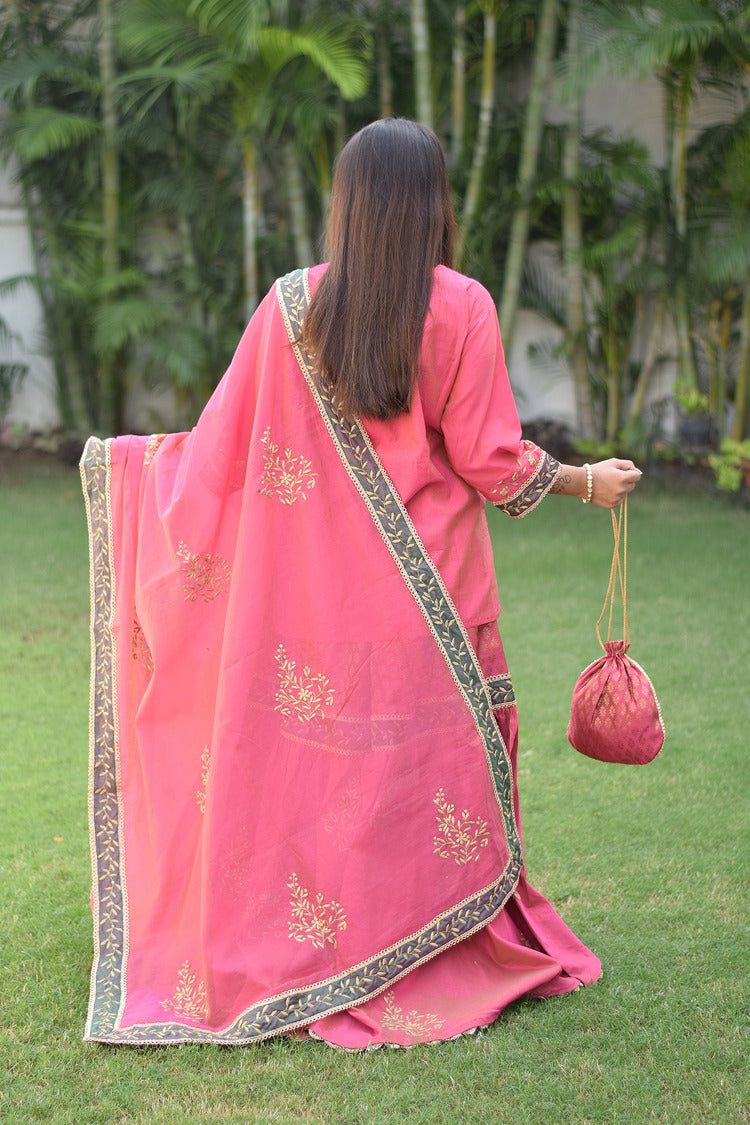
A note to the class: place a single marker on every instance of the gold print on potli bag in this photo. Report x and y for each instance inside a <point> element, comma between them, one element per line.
<point>287,477</point>
<point>205,765</point>
<point>189,1001</point>
<point>206,576</point>
<point>459,837</point>
<point>412,1024</point>
<point>140,651</point>
<point>313,919</point>
<point>303,694</point>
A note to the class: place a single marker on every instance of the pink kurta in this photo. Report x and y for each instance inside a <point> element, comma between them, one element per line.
<point>304,812</point>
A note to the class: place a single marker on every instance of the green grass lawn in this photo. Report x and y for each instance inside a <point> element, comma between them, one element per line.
<point>648,865</point>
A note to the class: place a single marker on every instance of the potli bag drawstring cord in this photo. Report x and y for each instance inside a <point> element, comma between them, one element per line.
<point>618,574</point>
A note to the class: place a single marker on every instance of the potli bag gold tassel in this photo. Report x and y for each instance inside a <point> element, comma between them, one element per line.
<point>615,715</point>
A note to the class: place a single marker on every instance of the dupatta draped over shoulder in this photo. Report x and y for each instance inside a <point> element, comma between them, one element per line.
<point>299,792</point>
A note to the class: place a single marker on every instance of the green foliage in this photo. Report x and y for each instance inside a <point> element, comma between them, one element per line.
<point>731,464</point>
<point>595,450</point>
<point>201,84</point>
<point>692,401</point>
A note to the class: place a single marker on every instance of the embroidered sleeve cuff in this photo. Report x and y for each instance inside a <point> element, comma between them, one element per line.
<point>526,497</point>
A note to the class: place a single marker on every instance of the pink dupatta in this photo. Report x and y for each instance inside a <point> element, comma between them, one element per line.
<point>299,793</point>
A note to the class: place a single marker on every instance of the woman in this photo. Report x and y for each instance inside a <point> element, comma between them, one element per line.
<point>304,813</point>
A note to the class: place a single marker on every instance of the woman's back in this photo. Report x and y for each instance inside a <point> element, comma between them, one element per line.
<point>459,441</point>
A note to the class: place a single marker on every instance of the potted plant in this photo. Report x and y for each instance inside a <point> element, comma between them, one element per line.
<point>696,428</point>
<point>731,465</point>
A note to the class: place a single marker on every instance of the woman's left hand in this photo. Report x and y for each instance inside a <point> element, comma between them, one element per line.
<point>612,480</point>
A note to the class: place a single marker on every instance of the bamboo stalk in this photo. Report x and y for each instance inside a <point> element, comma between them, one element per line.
<point>111,390</point>
<point>614,376</point>
<point>458,90</point>
<point>678,191</point>
<point>481,146</point>
<point>572,240</point>
<point>385,83</point>
<point>295,193</point>
<point>649,360</point>
<point>250,217</point>
<point>70,398</point>
<point>543,51</point>
<point>741,424</point>
<point>420,34</point>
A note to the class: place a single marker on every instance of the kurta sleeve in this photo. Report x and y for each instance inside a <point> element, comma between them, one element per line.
<point>480,423</point>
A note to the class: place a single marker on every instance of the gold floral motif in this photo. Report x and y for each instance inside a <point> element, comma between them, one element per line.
<point>412,1024</point>
<point>139,648</point>
<point>460,837</point>
<point>205,763</point>
<point>206,576</point>
<point>314,919</point>
<point>285,476</point>
<point>304,695</point>
<point>152,445</point>
<point>527,462</point>
<point>189,1001</point>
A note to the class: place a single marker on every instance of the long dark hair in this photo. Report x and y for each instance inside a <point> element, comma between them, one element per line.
<point>391,223</point>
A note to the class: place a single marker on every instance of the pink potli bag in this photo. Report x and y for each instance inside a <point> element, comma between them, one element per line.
<point>615,715</point>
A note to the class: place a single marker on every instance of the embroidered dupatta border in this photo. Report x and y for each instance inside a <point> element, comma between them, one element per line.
<point>105,814</point>
<point>298,1006</point>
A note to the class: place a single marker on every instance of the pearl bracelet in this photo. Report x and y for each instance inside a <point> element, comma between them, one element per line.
<point>589,484</point>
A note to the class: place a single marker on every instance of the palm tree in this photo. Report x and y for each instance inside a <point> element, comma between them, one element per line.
<point>233,41</point>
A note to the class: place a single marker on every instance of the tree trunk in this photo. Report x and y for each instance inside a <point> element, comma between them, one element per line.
<point>295,193</point>
<point>725,330</point>
<point>741,425</point>
<point>649,360</point>
<point>111,401</point>
<point>420,34</point>
<point>572,239</point>
<point>250,222</point>
<point>71,401</point>
<point>458,93</point>
<point>543,52</point>
<point>385,83</point>
<point>612,359</point>
<point>481,145</point>
<point>678,193</point>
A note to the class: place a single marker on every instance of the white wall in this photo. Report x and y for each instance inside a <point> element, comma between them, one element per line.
<point>629,108</point>
<point>34,403</point>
